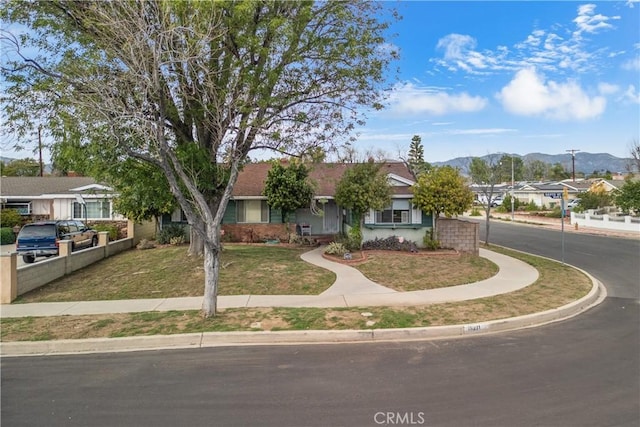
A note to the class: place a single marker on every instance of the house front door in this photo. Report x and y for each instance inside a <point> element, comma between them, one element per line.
<point>331,218</point>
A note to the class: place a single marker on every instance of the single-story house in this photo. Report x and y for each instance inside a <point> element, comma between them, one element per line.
<point>50,197</point>
<point>249,218</point>
<point>549,194</point>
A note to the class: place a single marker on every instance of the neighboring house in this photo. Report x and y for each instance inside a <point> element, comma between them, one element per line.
<point>51,197</point>
<point>249,218</point>
<point>604,185</point>
<point>549,194</point>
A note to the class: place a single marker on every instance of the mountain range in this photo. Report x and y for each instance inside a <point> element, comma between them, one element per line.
<point>584,162</point>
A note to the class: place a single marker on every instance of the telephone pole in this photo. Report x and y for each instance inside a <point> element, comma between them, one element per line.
<point>573,163</point>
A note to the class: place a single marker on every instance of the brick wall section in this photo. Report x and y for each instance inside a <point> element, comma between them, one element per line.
<point>460,235</point>
<point>254,233</point>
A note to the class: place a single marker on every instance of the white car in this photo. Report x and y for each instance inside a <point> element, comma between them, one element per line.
<point>573,203</point>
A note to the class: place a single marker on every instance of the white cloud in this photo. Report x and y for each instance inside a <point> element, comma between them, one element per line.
<point>456,46</point>
<point>607,88</point>
<point>408,98</point>
<point>588,22</point>
<point>528,94</point>
<point>631,94</point>
<point>632,64</point>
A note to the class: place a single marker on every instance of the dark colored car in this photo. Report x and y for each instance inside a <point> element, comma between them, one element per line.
<point>41,238</point>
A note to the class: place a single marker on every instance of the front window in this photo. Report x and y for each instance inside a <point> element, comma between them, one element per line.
<point>252,211</point>
<point>100,209</point>
<point>398,213</point>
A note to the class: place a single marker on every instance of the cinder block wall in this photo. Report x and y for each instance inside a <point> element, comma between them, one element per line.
<point>458,234</point>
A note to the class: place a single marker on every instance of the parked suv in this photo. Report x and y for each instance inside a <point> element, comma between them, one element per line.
<point>41,238</point>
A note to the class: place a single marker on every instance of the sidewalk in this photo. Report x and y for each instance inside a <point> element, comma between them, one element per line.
<point>351,289</point>
<point>553,224</point>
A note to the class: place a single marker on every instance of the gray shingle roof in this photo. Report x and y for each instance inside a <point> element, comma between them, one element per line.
<point>12,186</point>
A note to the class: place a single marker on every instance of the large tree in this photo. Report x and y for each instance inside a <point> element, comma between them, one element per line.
<point>442,190</point>
<point>415,157</point>
<point>194,87</point>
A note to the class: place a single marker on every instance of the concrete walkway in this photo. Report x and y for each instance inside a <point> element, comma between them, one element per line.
<point>351,289</point>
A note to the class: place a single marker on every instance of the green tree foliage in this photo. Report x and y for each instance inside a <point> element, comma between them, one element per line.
<point>442,190</point>
<point>194,87</point>
<point>415,159</point>
<point>20,167</point>
<point>362,187</point>
<point>594,200</point>
<point>535,170</point>
<point>627,197</point>
<point>10,218</point>
<point>505,168</point>
<point>557,172</point>
<point>287,187</point>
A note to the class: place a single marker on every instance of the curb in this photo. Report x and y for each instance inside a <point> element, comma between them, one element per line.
<point>596,295</point>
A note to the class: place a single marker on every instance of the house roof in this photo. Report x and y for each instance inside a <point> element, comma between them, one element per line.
<point>325,176</point>
<point>35,186</point>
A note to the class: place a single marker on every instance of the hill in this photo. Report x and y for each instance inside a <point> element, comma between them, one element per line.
<point>585,162</point>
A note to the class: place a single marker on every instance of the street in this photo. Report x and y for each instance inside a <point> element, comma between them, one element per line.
<point>583,371</point>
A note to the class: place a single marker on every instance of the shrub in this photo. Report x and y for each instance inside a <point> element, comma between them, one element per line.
<point>354,241</point>
<point>531,206</point>
<point>555,213</point>
<point>391,243</point>
<point>10,218</point>
<point>111,229</point>
<point>168,232</point>
<point>177,240</point>
<point>145,244</point>
<point>429,242</point>
<point>475,212</point>
<point>335,248</point>
<point>6,236</point>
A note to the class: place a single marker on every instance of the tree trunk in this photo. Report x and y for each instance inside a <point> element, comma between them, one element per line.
<point>211,275</point>
<point>486,240</point>
<point>196,244</point>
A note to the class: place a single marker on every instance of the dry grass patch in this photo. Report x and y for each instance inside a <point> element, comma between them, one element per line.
<point>405,272</point>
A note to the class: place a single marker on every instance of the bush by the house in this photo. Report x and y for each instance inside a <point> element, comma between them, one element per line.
<point>6,236</point>
<point>429,242</point>
<point>168,232</point>
<point>111,229</point>
<point>335,248</point>
<point>10,218</point>
<point>531,206</point>
<point>392,243</point>
<point>555,213</point>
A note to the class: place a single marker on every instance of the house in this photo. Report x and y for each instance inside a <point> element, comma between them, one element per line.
<point>249,218</point>
<point>549,194</point>
<point>50,197</point>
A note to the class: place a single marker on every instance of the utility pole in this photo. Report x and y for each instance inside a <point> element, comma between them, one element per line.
<point>40,149</point>
<point>573,163</point>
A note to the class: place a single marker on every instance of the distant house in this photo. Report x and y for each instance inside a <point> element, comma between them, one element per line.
<point>51,197</point>
<point>549,194</point>
<point>249,218</point>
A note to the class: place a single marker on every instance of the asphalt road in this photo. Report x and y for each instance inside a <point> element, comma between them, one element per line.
<point>580,372</point>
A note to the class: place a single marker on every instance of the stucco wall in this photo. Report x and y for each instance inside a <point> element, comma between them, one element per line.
<point>458,234</point>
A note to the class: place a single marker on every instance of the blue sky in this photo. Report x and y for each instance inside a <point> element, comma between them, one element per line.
<point>516,77</point>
